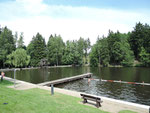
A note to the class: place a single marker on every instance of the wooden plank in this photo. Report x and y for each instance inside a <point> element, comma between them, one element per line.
<point>63,80</point>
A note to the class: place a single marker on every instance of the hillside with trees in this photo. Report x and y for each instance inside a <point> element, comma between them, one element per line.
<point>117,48</point>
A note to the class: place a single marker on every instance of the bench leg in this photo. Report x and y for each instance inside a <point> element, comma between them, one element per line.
<point>98,104</point>
<point>85,101</point>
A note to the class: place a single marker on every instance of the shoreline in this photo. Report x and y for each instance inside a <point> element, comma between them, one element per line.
<point>109,104</point>
<point>28,68</point>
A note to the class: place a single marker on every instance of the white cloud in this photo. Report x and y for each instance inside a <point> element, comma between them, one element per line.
<point>69,22</point>
<point>32,6</point>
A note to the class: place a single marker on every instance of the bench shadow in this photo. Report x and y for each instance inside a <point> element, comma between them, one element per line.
<point>90,103</point>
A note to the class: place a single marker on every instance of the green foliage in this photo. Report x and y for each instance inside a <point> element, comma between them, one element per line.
<point>7,45</point>
<point>37,50</point>
<point>140,38</point>
<point>68,55</point>
<point>6,83</point>
<point>16,38</point>
<point>72,54</point>
<point>94,57</point>
<point>120,51</point>
<point>20,42</point>
<point>87,46</point>
<point>128,56</point>
<point>18,58</point>
<point>144,57</point>
<point>113,49</point>
<point>83,47</point>
<point>55,49</point>
<point>103,51</point>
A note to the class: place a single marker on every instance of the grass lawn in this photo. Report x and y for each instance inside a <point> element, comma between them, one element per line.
<point>40,101</point>
<point>127,111</point>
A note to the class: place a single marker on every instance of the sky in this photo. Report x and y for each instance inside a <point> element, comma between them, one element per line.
<point>72,19</point>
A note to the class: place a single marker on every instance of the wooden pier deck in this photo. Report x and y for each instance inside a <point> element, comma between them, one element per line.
<point>63,80</point>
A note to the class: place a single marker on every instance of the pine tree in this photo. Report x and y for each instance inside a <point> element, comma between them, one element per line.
<point>55,49</point>
<point>37,49</point>
<point>20,42</point>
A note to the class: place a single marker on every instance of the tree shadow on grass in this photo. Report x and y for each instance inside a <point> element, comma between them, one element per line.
<point>5,83</point>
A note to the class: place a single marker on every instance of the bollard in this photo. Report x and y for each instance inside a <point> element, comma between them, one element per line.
<point>14,77</point>
<point>52,89</point>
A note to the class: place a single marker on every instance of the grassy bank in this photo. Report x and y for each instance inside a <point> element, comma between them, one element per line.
<point>40,101</point>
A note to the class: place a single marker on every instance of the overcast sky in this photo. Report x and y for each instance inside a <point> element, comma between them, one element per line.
<point>72,19</point>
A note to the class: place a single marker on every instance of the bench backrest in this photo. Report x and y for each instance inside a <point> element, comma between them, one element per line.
<point>90,96</point>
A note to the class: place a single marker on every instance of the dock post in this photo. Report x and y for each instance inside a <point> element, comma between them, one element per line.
<point>52,89</point>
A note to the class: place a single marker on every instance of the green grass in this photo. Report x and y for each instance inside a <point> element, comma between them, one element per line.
<point>127,111</point>
<point>5,83</point>
<point>40,101</point>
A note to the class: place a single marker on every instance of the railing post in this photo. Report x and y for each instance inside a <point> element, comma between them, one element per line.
<point>52,89</point>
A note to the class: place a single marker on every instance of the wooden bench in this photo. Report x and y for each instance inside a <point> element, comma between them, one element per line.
<point>92,98</point>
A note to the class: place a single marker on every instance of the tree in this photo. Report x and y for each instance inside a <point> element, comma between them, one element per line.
<point>113,49</point>
<point>16,38</point>
<point>72,54</point>
<point>94,57</point>
<point>128,55</point>
<point>87,46</point>
<point>144,57</point>
<point>100,53</point>
<point>18,58</point>
<point>103,51</point>
<point>55,48</point>
<point>140,38</point>
<point>20,42</point>
<point>0,29</point>
<point>76,56</point>
<point>120,51</point>
<point>81,44</point>
<point>114,43</point>
<point>7,45</point>
<point>67,58</point>
<point>37,49</point>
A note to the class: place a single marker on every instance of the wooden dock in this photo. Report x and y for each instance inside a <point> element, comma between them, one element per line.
<point>64,80</point>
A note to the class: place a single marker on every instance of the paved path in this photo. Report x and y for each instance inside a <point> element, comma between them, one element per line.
<point>110,105</point>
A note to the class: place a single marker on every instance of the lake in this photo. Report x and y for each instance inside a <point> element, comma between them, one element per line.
<point>128,92</point>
